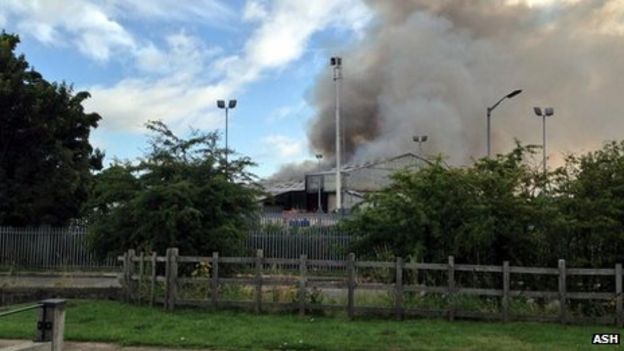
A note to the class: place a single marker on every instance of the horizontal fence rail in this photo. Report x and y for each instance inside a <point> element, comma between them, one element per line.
<point>158,285</point>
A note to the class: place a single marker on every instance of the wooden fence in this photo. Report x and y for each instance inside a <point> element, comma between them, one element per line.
<point>260,278</point>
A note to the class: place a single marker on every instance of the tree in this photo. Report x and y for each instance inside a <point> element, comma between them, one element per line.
<point>46,161</point>
<point>590,195</point>
<point>180,194</point>
<point>482,214</point>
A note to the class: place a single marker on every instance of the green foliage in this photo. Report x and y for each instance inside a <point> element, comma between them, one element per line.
<point>501,209</point>
<point>589,192</point>
<point>179,195</point>
<point>45,156</point>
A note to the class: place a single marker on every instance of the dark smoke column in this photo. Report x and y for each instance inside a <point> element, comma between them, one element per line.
<point>336,62</point>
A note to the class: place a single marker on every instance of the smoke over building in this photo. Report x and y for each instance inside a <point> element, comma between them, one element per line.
<point>432,67</point>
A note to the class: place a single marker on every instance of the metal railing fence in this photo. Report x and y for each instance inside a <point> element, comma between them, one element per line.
<point>67,248</point>
<point>47,248</point>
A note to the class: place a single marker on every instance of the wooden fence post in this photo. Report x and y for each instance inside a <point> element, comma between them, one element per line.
<point>619,318</point>
<point>141,272</point>
<point>214,293</point>
<point>302,283</point>
<point>451,288</point>
<point>398,289</point>
<point>131,271</point>
<point>562,292</point>
<point>167,278</point>
<point>171,280</point>
<point>153,280</point>
<point>125,278</point>
<point>174,278</point>
<point>259,260</point>
<point>506,282</point>
<point>350,284</point>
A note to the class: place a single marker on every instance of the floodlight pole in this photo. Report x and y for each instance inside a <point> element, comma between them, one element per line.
<point>546,112</point>
<point>230,105</point>
<point>226,139</point>
<point>489,117</point>
<point>336,62</point>
<point>420,139</point>
<point>544,142</point>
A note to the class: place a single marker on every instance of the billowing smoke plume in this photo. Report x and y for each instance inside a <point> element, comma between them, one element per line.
<point>433,66</point>
<point>294,171</point>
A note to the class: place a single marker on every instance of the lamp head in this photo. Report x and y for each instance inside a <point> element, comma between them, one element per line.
<point>423,138</point>
<point>336,61</point>
<point>514,93</point>
<point>537,110</point>
<point>549,111</point>
<point>232,103</point>
<point>220,104</point>
<point>319,156</point>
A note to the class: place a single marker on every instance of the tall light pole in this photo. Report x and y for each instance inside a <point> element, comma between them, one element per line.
<point>548,111</point>
<point>319,209</point>
<point>489,116</point>
<point>336,63</point>
<point>231,104</point>
<point>420,139</point>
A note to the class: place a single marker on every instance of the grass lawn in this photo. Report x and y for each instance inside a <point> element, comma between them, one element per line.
<point>110,321</point>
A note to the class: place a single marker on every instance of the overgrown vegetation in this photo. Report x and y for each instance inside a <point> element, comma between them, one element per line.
<point>501,209</point>
<point>182,193</point>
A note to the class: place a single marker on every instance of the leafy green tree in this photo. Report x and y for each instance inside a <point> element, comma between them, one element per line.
<point>181,194</point>
<point>480,214</point>
<point>590,195</point>
<point>46,161</point>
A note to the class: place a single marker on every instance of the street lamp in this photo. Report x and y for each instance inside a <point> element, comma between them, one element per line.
<point>548,111</point>
<point>231,104</point>
<point>319,157</point>
<point>336,63</point>
<point>419,139</point>
<point>489,116</point>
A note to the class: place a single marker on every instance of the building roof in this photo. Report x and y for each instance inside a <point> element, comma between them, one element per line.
<point>280,187</point>
<point>285,186</point>
<point>350,167</point>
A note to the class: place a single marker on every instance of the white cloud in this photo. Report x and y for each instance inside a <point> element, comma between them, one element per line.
<point>184,56</point>
<point>287,111</point>
<point>130,103</point>
<point>285,31</point>
<point>255,11</point>
<point>284,147</point>
<point>179,81</point>
<point>206,11</point>
<point>93,26</point>
<point>79,22</point>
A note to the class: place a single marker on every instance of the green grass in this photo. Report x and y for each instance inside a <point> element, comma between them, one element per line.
<point>110,321</point>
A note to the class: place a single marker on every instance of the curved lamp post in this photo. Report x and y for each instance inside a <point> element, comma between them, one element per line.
<point>489,116</point>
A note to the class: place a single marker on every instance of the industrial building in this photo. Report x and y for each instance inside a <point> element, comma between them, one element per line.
<point>302,195</point>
